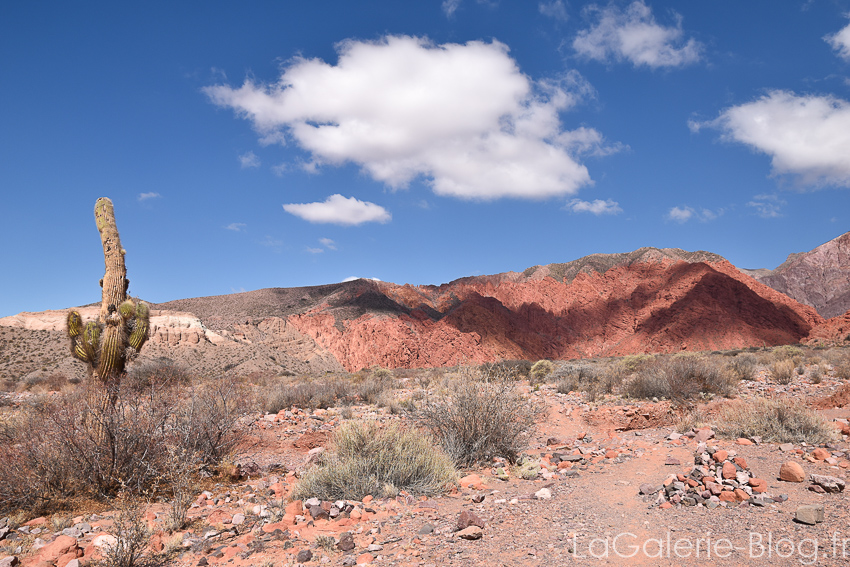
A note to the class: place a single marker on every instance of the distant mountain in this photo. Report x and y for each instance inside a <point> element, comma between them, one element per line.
<point>650,300</point>
<point>820,277</point>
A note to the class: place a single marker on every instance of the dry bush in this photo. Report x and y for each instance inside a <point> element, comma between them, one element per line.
<point>310,395</point>
<point>513,369</point>
<point>158,372</point>
<point>634,362</point>
<point>743,366</point>
<point>56,449</point>
<point>478,418</point>
<point>590,380</point>
<point>839,358</point>
<point>782,371</point>
<point>681,377</point>
<point>373,389</point>
<point>131,534</point>
<point>788,352</point>
<point>775,421</point>
<point>367,459</point>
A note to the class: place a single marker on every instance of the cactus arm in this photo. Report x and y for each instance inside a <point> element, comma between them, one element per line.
<point>142,325</point>
<point>115,279</point>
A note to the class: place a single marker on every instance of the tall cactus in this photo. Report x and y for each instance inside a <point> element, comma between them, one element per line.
<point>118,334</point>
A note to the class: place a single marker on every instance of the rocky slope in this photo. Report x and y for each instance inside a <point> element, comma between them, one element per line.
<point>649,300</point>
<point>820,277</point>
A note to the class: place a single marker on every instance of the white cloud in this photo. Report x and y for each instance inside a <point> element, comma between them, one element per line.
<point>463,116</point>
<point>807,136</point>
<point>767,206</point>
<point>634,35</point>
<point>236,226</point>
<point>450,7</point>
<point>597,207</point>
<point>272,242</point>
<point>315,250</point>
<point>840,41</point>
<point>148,196</point>
<point>685,213</point>
<point>555,10</point>
<point>249,159</point>
<point>328,243</point>
<point>355,278</point>
<point>680,214</point>
<point>337,209</point>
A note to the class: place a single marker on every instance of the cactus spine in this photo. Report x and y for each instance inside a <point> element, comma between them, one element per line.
<point>122,327</point>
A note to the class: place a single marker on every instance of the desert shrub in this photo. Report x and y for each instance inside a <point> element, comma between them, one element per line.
<point>839,358</point>
<point>56,449</point>
<point>782,371</point>
<point>590,380</point>
<point>477,419</point>
<point>540,370</point>
<point>372,389</point>
<point>634,362</point>
<point>131,534</point>
<point>311,395</point>
<point>513,369</point>
<point>158,372</point>
<point>775,421</point>
<point>788,352</point>
<point>681,378</point>
<point>743,366</point>
<point>367,459</point>
<point>815,375</point>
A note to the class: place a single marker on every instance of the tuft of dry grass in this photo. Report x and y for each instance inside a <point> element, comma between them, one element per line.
<point>775,421</point>
<point>782,371</point>
<point>367,459</point>
<point>681,377</point>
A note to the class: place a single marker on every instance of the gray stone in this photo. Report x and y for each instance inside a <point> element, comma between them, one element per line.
<point>73,532</point>
<point>467,519</point>
<point>543,494</point>
<point>785,447</point>
<point>828,483</point>
<point>84,527</point>
<point>304,556</point>
<point>3,532</point>
<point>238,519</point>
<point>349,561</point>
<point>10,561</point>
<point>810,514</point>
<point>312,502</point>
<point>647,488</point>
<point>426,529</point>
<point>374,547</point>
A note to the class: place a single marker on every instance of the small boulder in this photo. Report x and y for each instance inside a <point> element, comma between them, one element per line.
<point>828,483</point>
<point>791,471</point>
<point>471,533</point>
<point>810,514</point>
<point>346,541</point>
<point>467,519</point>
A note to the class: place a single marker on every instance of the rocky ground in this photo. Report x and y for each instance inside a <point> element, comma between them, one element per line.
<point>608,483</point>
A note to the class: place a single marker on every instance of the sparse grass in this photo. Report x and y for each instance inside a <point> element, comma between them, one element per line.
<point>681,377</point>
<point>309,395</point>
<point>478,418</point>
<point>782,371</point>
<point>513,369</point>
<point>367,459</point>
<point>592,380</point>
<point>775,421</point>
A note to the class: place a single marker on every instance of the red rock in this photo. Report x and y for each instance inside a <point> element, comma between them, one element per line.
<point>364,559</point>
<point>612,454</point>
<point>219,517</point>
<point>471,481</point>
<point>727,496</point>
<point>54,550</point>
<point>740,495</point>
<point>665,505</point>
<point>792,472</point>
<point>467,519</point>
<point>720,456</point>
<point>821,454</point>
<point>741,462</point>
<point>729,470</point>
<point>743,441</point>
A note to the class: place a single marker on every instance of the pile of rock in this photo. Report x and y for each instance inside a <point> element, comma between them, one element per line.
<point>719,478</point>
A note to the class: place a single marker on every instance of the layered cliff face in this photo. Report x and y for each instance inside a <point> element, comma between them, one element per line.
<point>820,278</point>
<point>661,305</point>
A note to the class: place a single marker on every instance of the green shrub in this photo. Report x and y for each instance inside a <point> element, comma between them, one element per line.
<point>775,421</point>
<point>479,418</point>
<point>367,459</point>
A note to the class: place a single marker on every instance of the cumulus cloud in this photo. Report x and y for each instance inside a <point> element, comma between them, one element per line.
<point>840,41</point>
<point>337,209</point>
<point>767,206</point>
<point>236,226</point>
<point>597,207</point>
<point>805,136</point>
<point>555,10</point>
<point>148,196</point>
<point>634,35</point>
<point>328,243</point>
<point>249,159</point>
<point>462,116</point>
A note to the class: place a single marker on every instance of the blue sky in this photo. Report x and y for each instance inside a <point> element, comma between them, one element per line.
<point>278,144</point>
